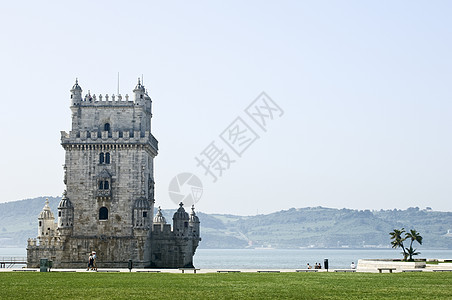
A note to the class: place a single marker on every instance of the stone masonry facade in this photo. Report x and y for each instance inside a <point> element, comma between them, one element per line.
<point>108,203</point>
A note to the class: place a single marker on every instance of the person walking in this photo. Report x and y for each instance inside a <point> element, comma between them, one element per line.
<point>90,262</point>
<point>94,260</point>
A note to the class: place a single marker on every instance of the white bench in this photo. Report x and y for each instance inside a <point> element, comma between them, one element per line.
<point>380,270</point>
<point>189,269</point>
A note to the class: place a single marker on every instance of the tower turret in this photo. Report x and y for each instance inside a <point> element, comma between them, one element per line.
<point>180,221</point>
<point>194,221</point>
<point>142,214</point>
<point>140,92</point>
<point>76,93</point>
<point>46,222</point>
<point>65,213</point>
<point>159,218</point>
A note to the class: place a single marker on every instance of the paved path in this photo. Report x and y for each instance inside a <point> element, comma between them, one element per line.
<point>201,271</point>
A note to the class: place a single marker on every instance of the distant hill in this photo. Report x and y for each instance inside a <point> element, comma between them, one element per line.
<point>19,220</point>
<point>318,227</point>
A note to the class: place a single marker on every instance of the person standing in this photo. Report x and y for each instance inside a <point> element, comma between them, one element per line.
<point>352,266</point>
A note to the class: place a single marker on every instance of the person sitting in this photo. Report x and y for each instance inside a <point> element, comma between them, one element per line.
<point>352,266</point>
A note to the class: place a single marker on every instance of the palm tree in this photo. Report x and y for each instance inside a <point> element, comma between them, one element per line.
<point>397,240</point>
<point>415,237</point>
<point>412,252</point>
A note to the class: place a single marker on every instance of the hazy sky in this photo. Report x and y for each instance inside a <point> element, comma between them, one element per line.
<point>365,87</point>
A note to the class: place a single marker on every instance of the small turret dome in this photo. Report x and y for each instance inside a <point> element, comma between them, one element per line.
<point>46,213</point>
<point>142,203</point>
<point>180,214</point>
<point>159,218</point>
<point>193,217</point>
<point>65,202</point>
<point>139,87</point>
<point>76,87</point>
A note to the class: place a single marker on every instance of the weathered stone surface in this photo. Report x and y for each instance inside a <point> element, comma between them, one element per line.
<point>108,203</point>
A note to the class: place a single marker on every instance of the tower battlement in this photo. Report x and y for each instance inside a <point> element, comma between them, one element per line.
<point>115,138</point>
<point>100,100</point>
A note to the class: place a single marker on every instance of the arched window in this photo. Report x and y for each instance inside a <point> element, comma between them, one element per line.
<point>145,214</point>
<point>101,185</point>
<point>107,127</point>
<point>101,158</point>
<point>103,213</point>
<point>107,158</point>
<point>106,185</point>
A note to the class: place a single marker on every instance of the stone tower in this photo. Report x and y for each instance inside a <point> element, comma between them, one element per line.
<point>108,204</point>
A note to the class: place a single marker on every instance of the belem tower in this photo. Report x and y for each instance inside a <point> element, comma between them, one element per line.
<point>108,203</point>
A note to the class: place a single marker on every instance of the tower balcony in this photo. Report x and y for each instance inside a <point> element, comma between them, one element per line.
<point>103,194</point>
<point>91,140</point>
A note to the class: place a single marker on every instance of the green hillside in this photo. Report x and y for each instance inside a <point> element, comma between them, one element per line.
<point>304,227</point>
<point>19,220</point>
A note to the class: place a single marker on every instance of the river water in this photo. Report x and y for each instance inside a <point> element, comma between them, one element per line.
<point>280,258</point>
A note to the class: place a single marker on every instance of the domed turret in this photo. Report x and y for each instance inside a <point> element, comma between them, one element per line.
<point>194,221</point>
<point>142,203</point>
<point>139,91</point>
<point>181,214</point>
<point>46,225</point>
<point>65,212</point>
<point>193,217</point>
<point>180,221</point>
<point>46,213</point>
<point>65,202</point>
<point>76,93</point>
<point>142,213</point>
<point>159,218</point>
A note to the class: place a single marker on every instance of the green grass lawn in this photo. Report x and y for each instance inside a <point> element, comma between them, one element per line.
<point>53,285</point>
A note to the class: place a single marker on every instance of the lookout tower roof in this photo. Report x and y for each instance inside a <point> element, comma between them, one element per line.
<point>180,214</point>
<point>76,87</point>
<point>46,213</point>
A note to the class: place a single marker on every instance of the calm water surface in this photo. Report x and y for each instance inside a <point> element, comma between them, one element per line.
<point>280,258</point>
<point>296,258</point>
